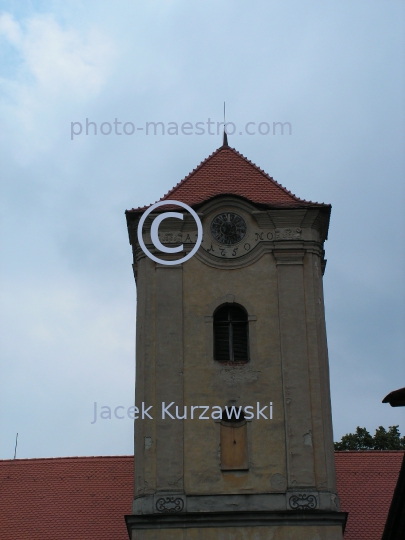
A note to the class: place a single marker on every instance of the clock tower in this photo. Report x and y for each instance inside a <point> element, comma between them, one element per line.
<point>233,432</point>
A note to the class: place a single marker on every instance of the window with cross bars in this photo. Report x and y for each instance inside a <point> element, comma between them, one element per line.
<point>231,334</point>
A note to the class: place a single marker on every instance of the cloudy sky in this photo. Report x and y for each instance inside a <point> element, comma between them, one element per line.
<point>334,70</point>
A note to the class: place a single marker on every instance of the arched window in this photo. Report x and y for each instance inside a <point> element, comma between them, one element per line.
<point>231,334</point>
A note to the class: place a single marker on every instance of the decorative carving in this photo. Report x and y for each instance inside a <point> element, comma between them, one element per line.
<point>169,505</point>
<point>172,238</point>
<point>288,234</point>
<point>303,501</point>
<point>176,238</point>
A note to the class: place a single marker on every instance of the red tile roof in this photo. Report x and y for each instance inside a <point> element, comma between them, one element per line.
<point>86,498</point>
<point>80,498</point>
<point>366,482</point>
<point>225,172</point>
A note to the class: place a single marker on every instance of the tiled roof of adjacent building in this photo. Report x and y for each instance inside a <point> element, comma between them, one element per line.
<point>226,172</point>
<point>366,483</point>
<point>78,498</point>
<point>86,498</point>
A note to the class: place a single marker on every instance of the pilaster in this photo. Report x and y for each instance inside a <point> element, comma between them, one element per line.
<point>294,360</point>
<point>169,376</point>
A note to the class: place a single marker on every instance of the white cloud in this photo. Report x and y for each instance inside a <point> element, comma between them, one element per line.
<point>61,61</point>
<point>10,29</point>
<point>56,70</point>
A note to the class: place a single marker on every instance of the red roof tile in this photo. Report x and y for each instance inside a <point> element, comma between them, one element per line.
<point>86,498</point>
<point>366,482</point>
<point>80,498</point>
<point>225,172</point>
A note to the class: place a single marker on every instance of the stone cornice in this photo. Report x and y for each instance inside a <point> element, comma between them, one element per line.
<point>268,231</point>
<point>236,519</point>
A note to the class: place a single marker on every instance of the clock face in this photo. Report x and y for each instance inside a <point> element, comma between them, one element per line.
<point>228,228</point>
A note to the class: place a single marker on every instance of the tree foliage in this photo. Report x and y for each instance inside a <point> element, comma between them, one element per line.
<point>382,440</point>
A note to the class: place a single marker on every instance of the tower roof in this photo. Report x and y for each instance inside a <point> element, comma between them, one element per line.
<point>227,172</point>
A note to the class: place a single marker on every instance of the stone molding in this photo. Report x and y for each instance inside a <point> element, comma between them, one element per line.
<point>289,257</point>
<point>177,502</point>
<point>310,218</point>
<point>267,230</point>
<point>236,519</point>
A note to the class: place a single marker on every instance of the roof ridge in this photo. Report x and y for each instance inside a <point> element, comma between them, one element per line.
<point>369,451</point>
<point>64,458</point>
<point>19,460</point>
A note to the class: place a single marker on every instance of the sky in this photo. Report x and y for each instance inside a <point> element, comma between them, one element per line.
<point>333,70</point>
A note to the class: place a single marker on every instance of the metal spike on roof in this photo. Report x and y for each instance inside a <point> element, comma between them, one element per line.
<point>225,138</point>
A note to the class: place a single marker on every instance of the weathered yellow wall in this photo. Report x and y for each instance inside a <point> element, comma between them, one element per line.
<point>207,382</point>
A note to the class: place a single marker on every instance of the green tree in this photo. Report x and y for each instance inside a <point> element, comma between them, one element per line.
<point>388,440</point>
<point>361,440</point>
<point>382,440</point>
